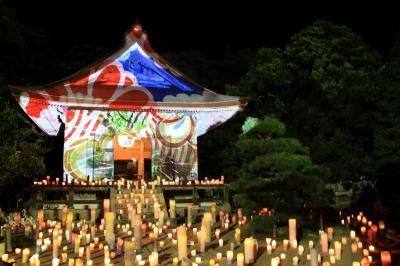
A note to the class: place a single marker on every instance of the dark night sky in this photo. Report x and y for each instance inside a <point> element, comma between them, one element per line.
<point>201,25</point>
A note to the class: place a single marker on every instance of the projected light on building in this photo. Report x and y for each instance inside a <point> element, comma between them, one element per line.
<point>133,104</point>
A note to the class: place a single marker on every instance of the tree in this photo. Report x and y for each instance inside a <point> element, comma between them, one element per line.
<point>21,157</point>
<point>276,171</point>
<point>322,86</point>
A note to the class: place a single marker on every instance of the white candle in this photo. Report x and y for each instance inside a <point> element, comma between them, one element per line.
<point>269,249</point>
<point>155,257</point>
<point>229,256</point>
<point>314,257</point>
<point>301,249</point>
<point>249,250</point>
<point>55,262</point>
<point>352,234</point>
<point>182,242</point>
<point>338,250</point>
<point>221,242</point>
<point>295,260</point>
<point>240,259</point>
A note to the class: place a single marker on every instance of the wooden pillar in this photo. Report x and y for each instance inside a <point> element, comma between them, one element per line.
<point>141,159</point>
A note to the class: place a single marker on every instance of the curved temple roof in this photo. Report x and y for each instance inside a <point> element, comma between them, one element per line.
<point>133,78</point>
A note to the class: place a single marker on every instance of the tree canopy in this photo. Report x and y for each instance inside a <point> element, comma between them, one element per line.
<point>322,86</point>
<point>276,171</point>
<point>21,157</point>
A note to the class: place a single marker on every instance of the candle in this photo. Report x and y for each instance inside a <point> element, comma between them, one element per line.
<point>64,255</point>
<point>221,242</point>
<point>285,244</point>
<point>25,255</point>
<point>151,260</point>
<point>40,218</point>
<point>237,235</point>
<point>77,245</point>
<point>295,261</point>
<point>71,262</point>
<point>386,259</point>
<point>198,260</point>
<point>155,257</point>
<point>182,242</point>
<point>352,234</point>
<point>363,229</point>
<point>275,261</point>
<point>217,232</point>
<point>70,218</point>
<point>81,251</point>
<point>17,251</point>
<point>229,257</point>
<point>206,222</point>
<point>314,257</point>
<point>249,250</point>
<point>55,262</point>
<point>79,262</point>
<point>55,247</point>
<point>109,218</point>
<point>273,244</point>
<point>269,249</point>
<point>64,214</point>
<point>294,244</point>
<point>202,239</point>
<point>324,242</point>
<point>128,252</point>
<point>156,209</point>
<point>344,240</point>
<point>137,231</point>
<point>106,206</point>
<point>310,244</point>
<point>240,259</point>
<point>219,256</point>
<point>172,211</point>
<point>89,262</point>
<point>301,249</point>
<point>161,219</point>
<point>354,247</point>
<point>189,215</point>
<point>338,250</point>
<point>356,263</point>
<point>292,231</point>
<point>381,225</point>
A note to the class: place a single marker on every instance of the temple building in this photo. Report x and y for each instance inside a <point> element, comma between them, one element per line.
<point>131,114</point>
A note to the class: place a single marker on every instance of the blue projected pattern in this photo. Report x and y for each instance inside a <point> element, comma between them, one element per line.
<point>150,75</point>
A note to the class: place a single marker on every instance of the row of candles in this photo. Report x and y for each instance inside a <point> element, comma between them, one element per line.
<point>127,183</point>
